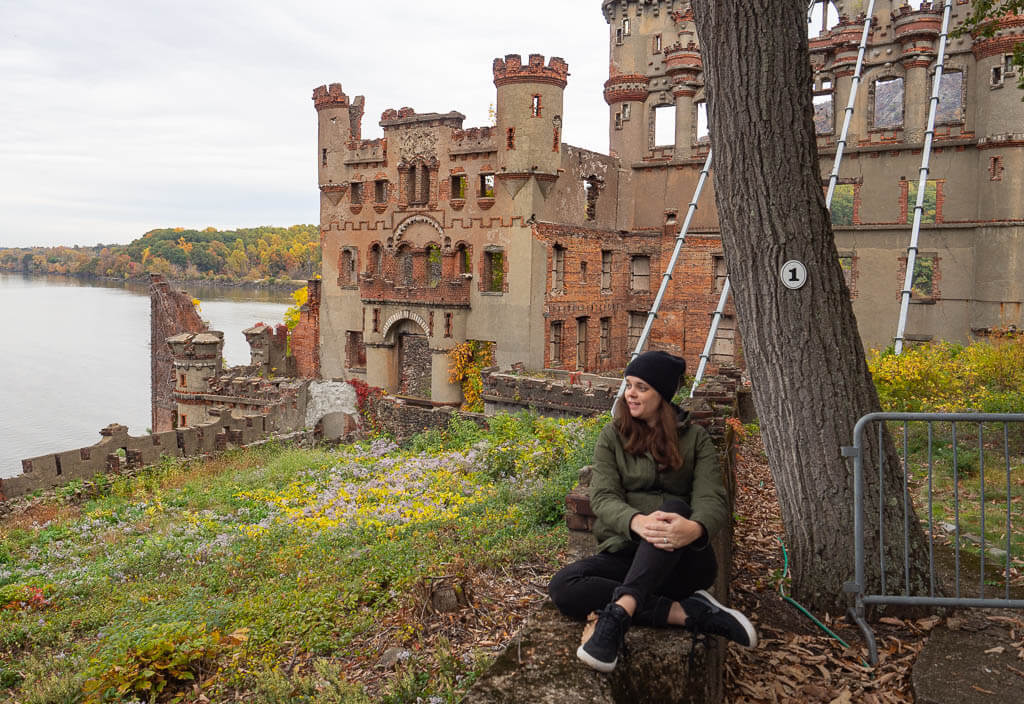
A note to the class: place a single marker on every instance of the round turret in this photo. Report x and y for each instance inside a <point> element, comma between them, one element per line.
<point>530,113</point>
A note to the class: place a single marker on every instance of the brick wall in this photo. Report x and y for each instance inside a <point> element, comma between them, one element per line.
<point>306,335</point>
<point>171,312</point>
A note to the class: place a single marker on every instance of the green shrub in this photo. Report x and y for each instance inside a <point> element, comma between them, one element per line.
<point>162,655</point>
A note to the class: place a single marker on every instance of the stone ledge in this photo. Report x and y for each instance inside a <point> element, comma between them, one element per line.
<point>659,665</point>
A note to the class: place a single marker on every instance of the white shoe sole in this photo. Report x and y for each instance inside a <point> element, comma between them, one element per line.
<point>594,662</point>
<point>744,621</point>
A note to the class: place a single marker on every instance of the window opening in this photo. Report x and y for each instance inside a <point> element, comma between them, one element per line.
<point>702,122</point>
<point>462,259</point>
<point>721,273</point>
<point>657,43</point>
<point>664,125</point>
<point>558,268</point>
<point>447,324</point>
<point>348,266</point>
<point>510,138</point>
<point>640,273</point>
<point>405,265</point>
<point>636,326</point>
<point>929,205</point>
<point>494,270</point>
<point>950,107</point>
<point>821,17</point>
<point>618,35</point>
<point>556,343</point>
<point>486,185</point>
<point>433,266</point>
<point>583,272</point>
<point>606,269</point>
<point>590,191</point>
<point>376,319</point>
<point>625,25</point>
<point>846,264</point>
<point>823,113</point>
<point>357,192</point>
<point>625,111</point>
<point>581,343</point>
<point>842,204</point>
<point>459,186</point>
<point>888,103</point>
<point>380,191</point>
<point>323,157</point>
<point>355,350</point>
<point>997,76</point>
<point>535,106</point>
<point>924,276</point>
<point>606,337</point>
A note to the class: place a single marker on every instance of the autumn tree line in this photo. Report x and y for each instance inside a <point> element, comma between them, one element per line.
<point>245,254</point>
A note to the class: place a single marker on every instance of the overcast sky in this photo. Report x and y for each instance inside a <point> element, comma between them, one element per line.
<point>118,117</point>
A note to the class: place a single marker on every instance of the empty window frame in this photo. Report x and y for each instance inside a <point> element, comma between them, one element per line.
<point>356,192</point>
<point>376,260</point>
<point>605,349</point>
<point>842,204</point>
<point>433,253</point>
<point>418,186</point>
<point>846,264</point>
<point>535,107</point>
<point>606,270</point>
<point>380,191</point>
<point>556,343</point>
<point>405,265</point>
<point>821,17</point>
<point>640,273</point>
<point>664,125</point>
<point>355,350</point>
<point>929,207</point>
<point>494,270</point>
<point>720,273</point>
<point>925,276</point>
<point>323,157</point>
<point>703,135</point>
<point>887,104</point>
<point>347,267</point>
<point>656,43</point>
<point>558,268</point>
<point>636,327</point>
<point>459,186</point>
<point>950,111</point>
<point>824,114</point>
<point>486,185</point>
<point>581,343</point>
<point>462,259</point>
<point>625,26</point>
<point>591,189</point>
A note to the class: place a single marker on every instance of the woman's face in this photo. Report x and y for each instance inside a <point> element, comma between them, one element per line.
<point>641,399</point>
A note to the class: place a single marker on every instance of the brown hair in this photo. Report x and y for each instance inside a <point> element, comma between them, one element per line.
<point>660,439</point>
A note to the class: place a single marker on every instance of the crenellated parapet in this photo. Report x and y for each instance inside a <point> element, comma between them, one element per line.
<point>406,116</point>
<point>511,70</point>
<point>329,96</point>
<point>1009,31</point>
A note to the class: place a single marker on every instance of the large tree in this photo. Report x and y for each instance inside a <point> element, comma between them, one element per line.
<point>806,362</point>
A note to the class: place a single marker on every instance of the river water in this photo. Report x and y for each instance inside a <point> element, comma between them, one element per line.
<point>74,356</point>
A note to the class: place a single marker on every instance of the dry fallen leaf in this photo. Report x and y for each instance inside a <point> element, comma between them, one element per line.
<point>843,698</point>
<point>998,650</point>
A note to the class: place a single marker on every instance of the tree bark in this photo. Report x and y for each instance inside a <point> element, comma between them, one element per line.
<point>802,347</point>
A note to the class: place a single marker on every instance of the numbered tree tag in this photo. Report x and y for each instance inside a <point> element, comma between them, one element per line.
<point>793,274</point>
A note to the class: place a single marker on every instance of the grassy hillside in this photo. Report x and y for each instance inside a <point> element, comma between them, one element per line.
<point>279,574</point>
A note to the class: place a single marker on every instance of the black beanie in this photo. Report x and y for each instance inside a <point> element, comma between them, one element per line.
<point>659,369</point>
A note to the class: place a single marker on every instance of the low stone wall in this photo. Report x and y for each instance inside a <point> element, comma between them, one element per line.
<point>403,418</point>
<point>327,406</point>
<point>559,395</point>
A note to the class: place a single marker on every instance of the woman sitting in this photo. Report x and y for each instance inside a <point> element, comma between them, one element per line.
<point>658,496</point>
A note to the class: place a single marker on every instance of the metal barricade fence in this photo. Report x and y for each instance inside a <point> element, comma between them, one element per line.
<point>953,449</point>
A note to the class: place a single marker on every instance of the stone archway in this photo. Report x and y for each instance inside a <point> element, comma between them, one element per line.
<point>412,358</point>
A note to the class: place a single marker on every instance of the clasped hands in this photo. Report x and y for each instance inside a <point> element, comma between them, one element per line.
<point>665,531</point>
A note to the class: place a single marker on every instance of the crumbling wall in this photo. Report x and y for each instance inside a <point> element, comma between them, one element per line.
<point>306,335</point>
<point>573,395</point>
<point>171,312</point>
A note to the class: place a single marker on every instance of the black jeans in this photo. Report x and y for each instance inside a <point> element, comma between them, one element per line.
<point>654,577</point>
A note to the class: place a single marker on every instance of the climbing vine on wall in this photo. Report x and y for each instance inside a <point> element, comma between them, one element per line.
<point>468,359</point>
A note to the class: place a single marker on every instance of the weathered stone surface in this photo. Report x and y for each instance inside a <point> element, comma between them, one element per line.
<point>659,665</point>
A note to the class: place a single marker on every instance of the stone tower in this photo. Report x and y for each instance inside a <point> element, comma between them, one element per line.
<point>197,361</point>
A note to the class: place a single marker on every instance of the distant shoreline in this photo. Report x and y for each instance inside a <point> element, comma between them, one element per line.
<point>288,285</point>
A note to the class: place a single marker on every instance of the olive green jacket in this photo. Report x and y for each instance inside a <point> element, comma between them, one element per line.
<point>623,485</point>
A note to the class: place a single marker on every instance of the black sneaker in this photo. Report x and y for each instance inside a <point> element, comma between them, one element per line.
<point>601,651</point>
<point>705,615</point>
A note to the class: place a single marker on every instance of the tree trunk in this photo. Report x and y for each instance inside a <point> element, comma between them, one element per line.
<point>811,381</point>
